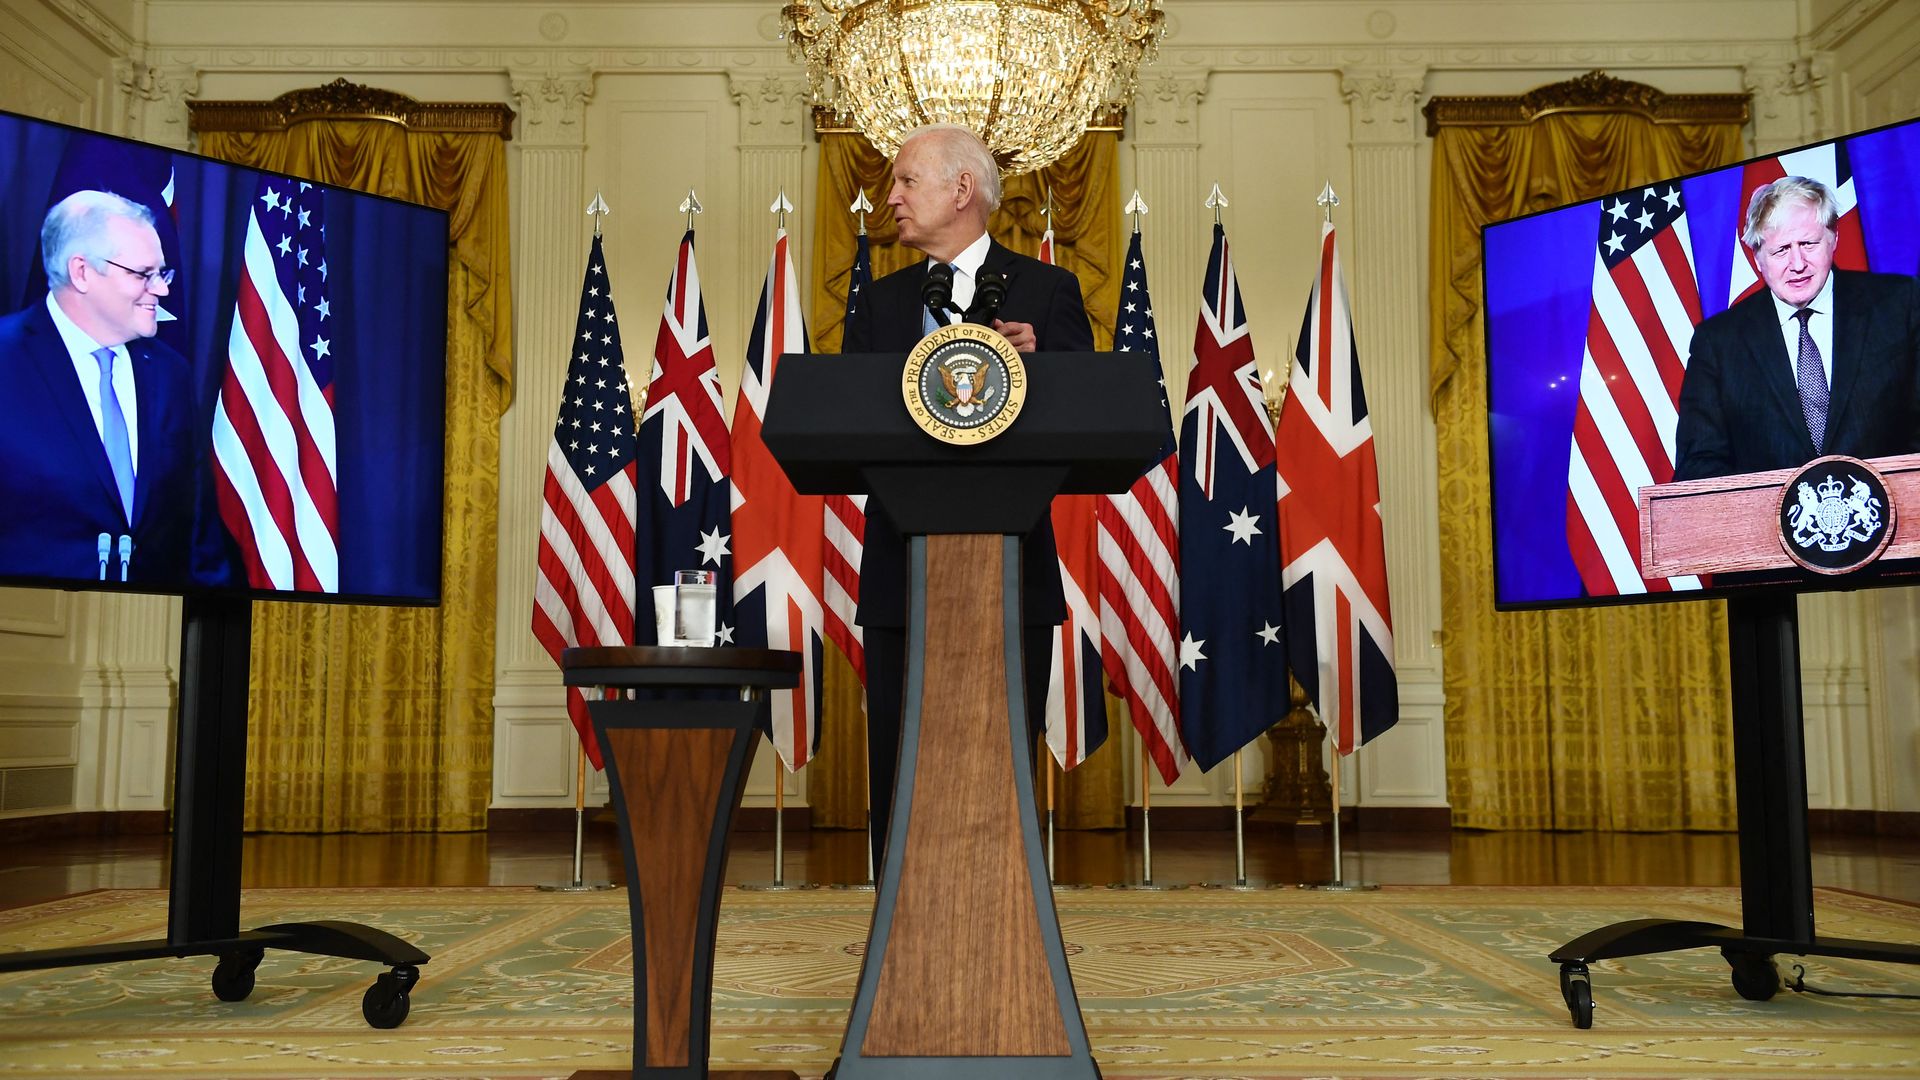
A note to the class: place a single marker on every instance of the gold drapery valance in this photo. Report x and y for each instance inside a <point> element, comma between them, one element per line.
<point>1088,241</point>
<point>369,719</point>
<point>1595,718</point>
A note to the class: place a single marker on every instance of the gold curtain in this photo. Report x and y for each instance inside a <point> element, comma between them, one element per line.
<point>375,719</point>
<point>1594,718</point>
<point>1087,240</point>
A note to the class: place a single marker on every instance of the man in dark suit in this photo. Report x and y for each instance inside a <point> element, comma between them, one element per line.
<point>945,184</point>
<point>102,461</point>
<point>1822,362</point>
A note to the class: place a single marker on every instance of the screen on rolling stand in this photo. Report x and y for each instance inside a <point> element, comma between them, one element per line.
<point>219,380</point>
<point>1598,313</point>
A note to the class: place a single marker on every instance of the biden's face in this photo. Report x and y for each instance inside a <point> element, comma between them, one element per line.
<point>1796,253</point>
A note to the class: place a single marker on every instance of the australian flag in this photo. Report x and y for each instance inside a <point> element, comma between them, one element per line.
<point>1233,663</point>
<point>685,459</point>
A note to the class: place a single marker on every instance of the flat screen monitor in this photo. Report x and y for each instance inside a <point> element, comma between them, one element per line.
<point>1592,313</point>
<point>215,379</point>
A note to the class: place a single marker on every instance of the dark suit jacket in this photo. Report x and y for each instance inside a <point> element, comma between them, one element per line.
<point>1739,407</point>
<point>57,493</point>
<point>1045,296</point>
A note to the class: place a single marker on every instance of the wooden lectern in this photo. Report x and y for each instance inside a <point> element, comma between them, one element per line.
<point>676,766</point>
<point>1723,525</point>
<point>965,975</point>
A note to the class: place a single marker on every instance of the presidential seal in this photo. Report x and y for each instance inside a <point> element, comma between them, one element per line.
<point>1835,516</point>
<point>964,384</point>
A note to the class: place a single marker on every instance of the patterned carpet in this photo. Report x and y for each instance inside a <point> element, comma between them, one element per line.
<point>1403,982</point>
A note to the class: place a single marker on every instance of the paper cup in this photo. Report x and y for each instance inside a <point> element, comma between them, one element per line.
<point>663,615</point>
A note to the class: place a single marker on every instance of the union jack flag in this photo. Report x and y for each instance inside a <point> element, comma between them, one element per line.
<point>684,455</point>
<point>1233,670</point>
<point>1333,554</point>
<point>846,518</point>
<point>778,534</point>
<point>1139,547</point>
<point>1076,708</point>
<point>584,592</point>
<point>273,447</point>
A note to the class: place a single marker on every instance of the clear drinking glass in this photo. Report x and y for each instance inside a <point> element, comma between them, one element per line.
<point>693,606</point>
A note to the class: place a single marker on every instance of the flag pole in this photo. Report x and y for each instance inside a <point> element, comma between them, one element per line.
<point>1146,816</point>
<point>577,884</point>
<point>1239,826</point>
<point>1049,770</point>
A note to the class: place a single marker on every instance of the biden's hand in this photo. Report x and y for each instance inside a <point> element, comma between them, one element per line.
<point>1019,334</point>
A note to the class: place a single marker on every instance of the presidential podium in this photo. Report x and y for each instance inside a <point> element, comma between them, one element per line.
<point>965,974</point>
<point>1728,526</point>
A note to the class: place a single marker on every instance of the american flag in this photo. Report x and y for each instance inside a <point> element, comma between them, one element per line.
<point>1827,163</point>
<point>273,453</point>
<point>1233,669</point>
<point>1639,330</point>
<point>682,521</point>
<point>778,534</point>
<point>584,592</point>
<point>1076,707</point>
<point>1139,543</point>
<point>846,518</point>
<point>1333,557</point>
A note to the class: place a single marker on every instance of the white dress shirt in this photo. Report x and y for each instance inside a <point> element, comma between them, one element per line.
<point>80,348</point>
<point>1819,326</point>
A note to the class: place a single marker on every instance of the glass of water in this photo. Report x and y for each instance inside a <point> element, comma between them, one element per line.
<point>693,606</point>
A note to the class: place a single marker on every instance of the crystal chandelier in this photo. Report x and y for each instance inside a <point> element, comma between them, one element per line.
<point>1027,75</point>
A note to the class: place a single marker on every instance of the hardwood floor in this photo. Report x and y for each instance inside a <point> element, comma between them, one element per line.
<point>51,867</point>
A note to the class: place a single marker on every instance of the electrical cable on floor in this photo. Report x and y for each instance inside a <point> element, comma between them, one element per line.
<point>1798,985</point>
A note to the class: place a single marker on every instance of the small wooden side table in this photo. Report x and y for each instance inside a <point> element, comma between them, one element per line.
<point>676,766</point>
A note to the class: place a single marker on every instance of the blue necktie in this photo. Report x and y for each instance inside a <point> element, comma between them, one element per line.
<point>113,432</point>
<point>1811,376</point>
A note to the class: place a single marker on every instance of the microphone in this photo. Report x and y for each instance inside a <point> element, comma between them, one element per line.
<point>989,292</point>
<point>126,554</point>
<point>105,544</point>
<point>937,292</point>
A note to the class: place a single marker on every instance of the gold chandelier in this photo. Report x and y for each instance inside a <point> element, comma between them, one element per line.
<point>1027,75</point>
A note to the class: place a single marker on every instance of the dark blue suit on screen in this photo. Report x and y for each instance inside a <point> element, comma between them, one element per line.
<point>57,491</point>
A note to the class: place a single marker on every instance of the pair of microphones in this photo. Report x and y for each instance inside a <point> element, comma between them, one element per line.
<point>989,292</point>
<point>105,545</point>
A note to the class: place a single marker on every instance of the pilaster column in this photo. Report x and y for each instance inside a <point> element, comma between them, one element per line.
<point>550,200</point>
<point>774,113</point>
<point>131,649</point>
<point>1174,234</point>
<point>1790,101</point>
<point>154,100</point>
<point>1385,259</point>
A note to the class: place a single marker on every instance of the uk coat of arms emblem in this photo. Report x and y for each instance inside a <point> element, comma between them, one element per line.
<point>1835,515</point>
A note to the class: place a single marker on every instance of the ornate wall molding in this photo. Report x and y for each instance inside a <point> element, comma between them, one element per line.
<point>1847,21</point>
<point>553,105</point>
<point>1167,107</point>
<point>773,107</point>
<point>1385,104</point>
<point>343,100</point>
<point>1596,91</point>
<point>157,100</point>
<point>98,28</point>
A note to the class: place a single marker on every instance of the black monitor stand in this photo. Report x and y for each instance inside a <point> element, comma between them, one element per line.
<point>203,893</point>
<point>1776,869</point>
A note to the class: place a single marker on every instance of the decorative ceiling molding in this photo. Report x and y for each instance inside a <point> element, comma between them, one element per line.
<point>98,28</point>
<point>343,100</point>
<point>1596,91</point>
<point>1847,21</point>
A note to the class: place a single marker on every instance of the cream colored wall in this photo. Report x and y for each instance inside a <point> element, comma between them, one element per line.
<point>1270,99</point>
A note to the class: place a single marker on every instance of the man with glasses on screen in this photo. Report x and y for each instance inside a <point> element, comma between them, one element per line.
<point>103,471</point>
<point>1823,362</point>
